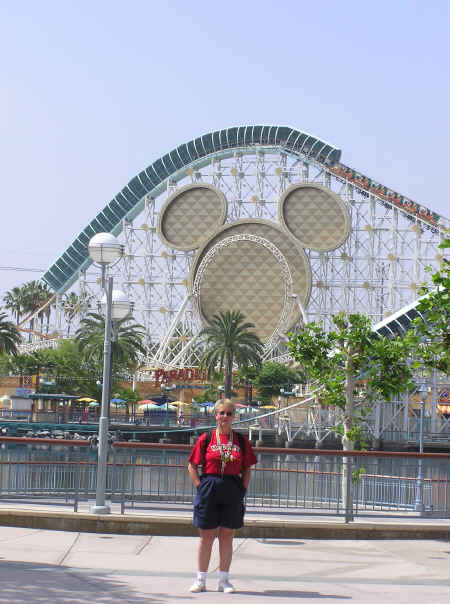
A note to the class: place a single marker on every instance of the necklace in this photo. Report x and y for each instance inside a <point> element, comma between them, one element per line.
<point>225,450</point>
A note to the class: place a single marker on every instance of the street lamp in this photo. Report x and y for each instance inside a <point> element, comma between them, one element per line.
<point>104,249</point>
<point>164,389</point>
<point>418,504</point>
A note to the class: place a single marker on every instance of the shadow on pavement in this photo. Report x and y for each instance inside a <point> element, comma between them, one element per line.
<point>25,583</point>
<point>285,593</point>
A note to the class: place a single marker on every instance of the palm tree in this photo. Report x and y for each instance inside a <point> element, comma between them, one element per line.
<point>40,360</point>
<point>45,295</point>
<point>9,336</point>
<point>126,345</point>
<point>230,340</point>
<point>31,292</point>
<point>74,305</point>
<point>14,302</point>
<point>18,365</point>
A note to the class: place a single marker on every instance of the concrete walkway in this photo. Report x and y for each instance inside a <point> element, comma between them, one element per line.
<point>57,567</point>
<point>175,520</point>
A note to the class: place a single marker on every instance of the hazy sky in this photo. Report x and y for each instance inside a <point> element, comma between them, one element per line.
<point>94,91</point>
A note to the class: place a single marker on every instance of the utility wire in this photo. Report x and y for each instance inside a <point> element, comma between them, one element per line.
<point>21,268</point>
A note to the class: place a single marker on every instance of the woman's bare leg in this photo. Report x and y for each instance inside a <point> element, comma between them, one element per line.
<point>207,537</point>
<point>225,548</point>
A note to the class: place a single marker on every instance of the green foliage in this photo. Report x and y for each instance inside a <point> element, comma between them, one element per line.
<point>27,299</point>
<point>126,347</point>
<point>358,474</point>
<point>274,376</point>
<point>431,338</point>
<point>352,364</point>
<point>246,374</point>
<point>9,336</point>
<point>73,305</point>
<point>210,393</point>
<point>127,394</point>
<point>229,340</point>
<point>14,302</point>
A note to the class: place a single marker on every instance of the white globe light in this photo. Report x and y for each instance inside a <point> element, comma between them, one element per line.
<point>121,306</point>
<point>104,248</point>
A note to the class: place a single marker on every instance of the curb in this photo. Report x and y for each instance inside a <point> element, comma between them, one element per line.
<point>176,526</point>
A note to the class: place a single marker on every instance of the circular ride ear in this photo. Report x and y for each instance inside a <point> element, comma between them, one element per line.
<point>191,215</point>
<point>244,275</point>
<point>316,216</point>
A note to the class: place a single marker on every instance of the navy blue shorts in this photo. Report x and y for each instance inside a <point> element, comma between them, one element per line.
<point>219,502</point>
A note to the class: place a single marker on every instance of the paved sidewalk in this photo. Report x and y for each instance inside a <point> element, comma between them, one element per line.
<point>56,567</point>
<point>176,520</point>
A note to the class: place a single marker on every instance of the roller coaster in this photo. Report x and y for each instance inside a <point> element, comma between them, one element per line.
<point>377,267</point>
<point>253,199</point>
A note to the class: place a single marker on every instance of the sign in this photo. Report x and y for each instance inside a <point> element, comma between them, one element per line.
<point>187,374</point>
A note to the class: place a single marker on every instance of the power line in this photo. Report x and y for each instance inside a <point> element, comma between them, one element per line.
<point>22,269</point>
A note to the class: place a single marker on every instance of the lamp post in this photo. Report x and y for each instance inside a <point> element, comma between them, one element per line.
<point>104,249</point>
<point>418,504</point>
<point>164,389</point>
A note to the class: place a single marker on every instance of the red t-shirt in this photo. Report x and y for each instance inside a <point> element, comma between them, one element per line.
<point>212,464</point>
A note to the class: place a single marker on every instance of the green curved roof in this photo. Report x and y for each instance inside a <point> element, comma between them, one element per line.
<point>129,202</point>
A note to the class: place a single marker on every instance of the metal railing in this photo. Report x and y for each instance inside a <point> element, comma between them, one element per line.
<point>296,481</point>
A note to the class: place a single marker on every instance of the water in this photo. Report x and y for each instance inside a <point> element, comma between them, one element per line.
<point>278,481</point>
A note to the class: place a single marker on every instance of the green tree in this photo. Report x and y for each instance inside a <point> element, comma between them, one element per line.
<point>274,376</point>
<point>17,365</point>
<point>127,394</point>
<point>71,372</point>
<point>39,361</point>
<point>229,340</point>
<point>246,377</point>
<point>9,336</point>
<point>209,393</point>
<point>353,366</point>
<point>34,295</point>
<point>74,305</point>
<point>14,300</point>
<point>126,345</point>
<point>431,337</point>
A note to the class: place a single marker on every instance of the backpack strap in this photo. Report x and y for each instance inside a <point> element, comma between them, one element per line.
<point>242,445</point>
<point>205,445</point>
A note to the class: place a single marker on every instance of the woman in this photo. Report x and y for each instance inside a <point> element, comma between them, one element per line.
<point>226,458</point>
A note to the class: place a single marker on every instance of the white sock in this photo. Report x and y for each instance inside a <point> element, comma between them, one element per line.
<point>201,576</point>
<point>223,576</point>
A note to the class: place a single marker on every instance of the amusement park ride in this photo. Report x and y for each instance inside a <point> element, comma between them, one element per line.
<point>262,219</point>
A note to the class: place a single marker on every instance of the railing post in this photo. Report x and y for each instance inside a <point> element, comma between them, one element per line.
<point>418,504</point>
<point>114,482</point>
<point>347,463</point>
<point>133,471</point>
<point>122,497</point>
<point>77,479</point>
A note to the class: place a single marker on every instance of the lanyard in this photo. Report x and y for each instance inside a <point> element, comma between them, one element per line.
<point>225,455</point>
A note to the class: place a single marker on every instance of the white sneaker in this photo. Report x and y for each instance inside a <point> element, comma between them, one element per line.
<point>197,587</point>
<point>226,587</point>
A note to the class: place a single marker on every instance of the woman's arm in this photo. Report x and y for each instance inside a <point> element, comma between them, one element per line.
<point>193,473</point>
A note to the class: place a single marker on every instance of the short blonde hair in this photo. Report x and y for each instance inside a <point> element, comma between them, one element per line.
<point>224,402</point>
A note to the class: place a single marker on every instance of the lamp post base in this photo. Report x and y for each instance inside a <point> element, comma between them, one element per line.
<point>100,509</point>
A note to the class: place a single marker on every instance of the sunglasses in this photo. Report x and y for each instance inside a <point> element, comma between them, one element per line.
<point>227,413</point>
